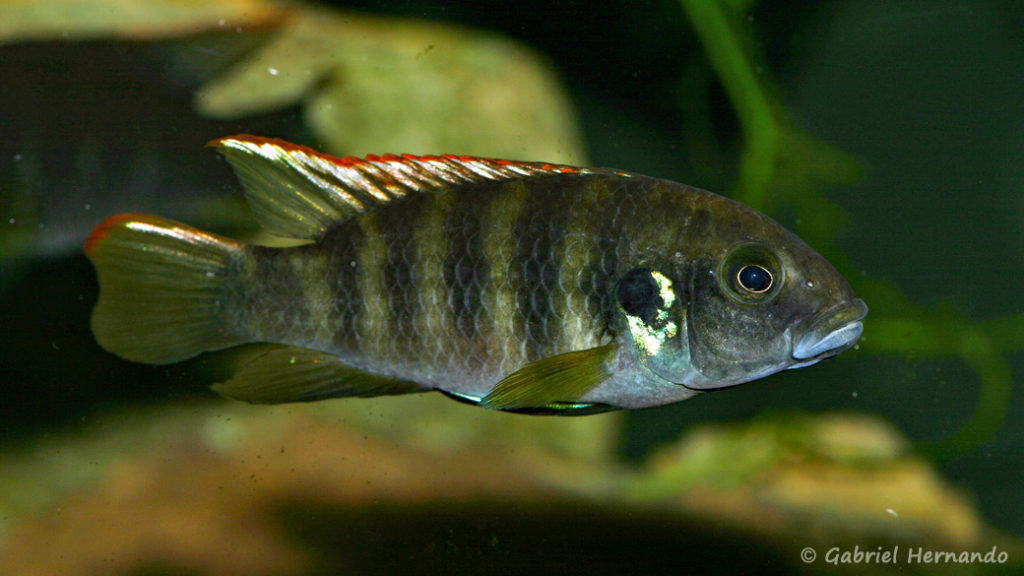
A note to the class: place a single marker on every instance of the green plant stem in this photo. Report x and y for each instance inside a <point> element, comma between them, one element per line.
<point>972,343</point>
<point>748,94</point>
<point>765,130</point>
<point>996,383</point>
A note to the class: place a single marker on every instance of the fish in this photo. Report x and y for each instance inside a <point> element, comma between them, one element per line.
<point>518,286</point>
<point>105,139</point>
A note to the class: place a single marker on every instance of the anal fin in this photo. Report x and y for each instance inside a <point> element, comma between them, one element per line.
<point>292,374</point>
<point>559,380</point>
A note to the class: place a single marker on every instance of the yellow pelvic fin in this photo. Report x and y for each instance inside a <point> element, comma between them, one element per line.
<point>555,380</point>
<point>292,374</point>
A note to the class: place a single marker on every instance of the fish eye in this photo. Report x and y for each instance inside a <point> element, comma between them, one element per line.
<point>638,294</point>
<point>751,274</point>
<point>754,279</point>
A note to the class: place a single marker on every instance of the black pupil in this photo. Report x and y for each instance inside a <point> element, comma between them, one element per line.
<point>638,294</point>
<point>754,278</point>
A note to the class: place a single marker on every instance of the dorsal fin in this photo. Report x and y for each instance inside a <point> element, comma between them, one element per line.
<point>297,192</point>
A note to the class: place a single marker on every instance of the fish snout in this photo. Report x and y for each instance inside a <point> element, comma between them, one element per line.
<point>830,333</point>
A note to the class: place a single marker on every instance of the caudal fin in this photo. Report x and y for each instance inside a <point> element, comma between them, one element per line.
<point>160,284</point>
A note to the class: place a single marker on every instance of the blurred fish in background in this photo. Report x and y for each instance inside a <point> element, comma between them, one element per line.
<point>96,122</point>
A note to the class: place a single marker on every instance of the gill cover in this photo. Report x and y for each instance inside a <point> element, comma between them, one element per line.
<point>744,305</point>
<point>654,310</point>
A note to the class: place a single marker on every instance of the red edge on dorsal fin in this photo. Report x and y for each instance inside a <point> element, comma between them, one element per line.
<point>273,141</point>
<point>372,158</point>
<point>102,230</point>
<point>290,147</point>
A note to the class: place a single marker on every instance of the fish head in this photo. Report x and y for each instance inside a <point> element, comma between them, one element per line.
<point>761,300</point>
<point>747,299</point>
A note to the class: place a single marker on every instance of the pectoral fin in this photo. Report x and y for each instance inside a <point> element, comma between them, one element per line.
<point>555,381</point>
<point>291,374</point>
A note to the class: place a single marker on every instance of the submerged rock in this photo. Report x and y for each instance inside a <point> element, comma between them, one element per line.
<point>407,483</point>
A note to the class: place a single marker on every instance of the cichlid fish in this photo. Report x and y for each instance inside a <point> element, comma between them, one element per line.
<point>518,286</point>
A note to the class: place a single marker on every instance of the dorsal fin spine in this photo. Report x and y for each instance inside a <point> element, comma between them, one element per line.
<point>298,192</point>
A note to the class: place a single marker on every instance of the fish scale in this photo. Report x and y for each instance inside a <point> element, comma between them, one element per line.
<point>466,271</point>
<point>434,315</point>
<point>505,342</point>
<point>522,317</point>
<point>518,286</point>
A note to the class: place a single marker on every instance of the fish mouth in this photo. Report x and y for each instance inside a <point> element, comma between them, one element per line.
<point>830,333</point>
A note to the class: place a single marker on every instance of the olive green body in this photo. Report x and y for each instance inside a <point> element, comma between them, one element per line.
<point>518,286</point>
<point>457,289</point>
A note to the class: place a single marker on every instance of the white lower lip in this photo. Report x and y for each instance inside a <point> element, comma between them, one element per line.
<point>838,339</point>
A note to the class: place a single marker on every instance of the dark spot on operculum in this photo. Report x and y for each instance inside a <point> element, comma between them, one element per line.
<point>638,294</point>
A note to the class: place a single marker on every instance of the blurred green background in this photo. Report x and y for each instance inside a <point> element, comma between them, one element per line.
<point>888,135</point>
